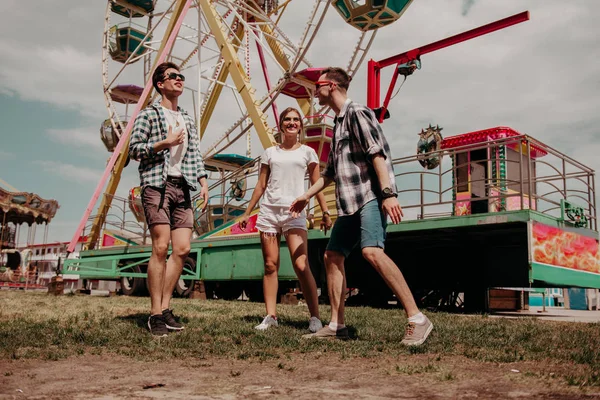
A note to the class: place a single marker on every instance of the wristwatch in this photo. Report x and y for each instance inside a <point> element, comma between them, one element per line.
<point>387,193</point>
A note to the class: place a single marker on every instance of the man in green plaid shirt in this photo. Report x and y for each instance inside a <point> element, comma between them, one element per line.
<point>165,142</point>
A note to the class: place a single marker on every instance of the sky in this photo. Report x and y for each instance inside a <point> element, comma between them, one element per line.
<point>540,78</point>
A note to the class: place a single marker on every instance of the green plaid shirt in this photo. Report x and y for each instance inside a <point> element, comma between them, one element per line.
<point>150,128</point>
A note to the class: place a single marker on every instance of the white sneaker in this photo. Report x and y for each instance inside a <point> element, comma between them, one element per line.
<point>314,324</point>
<point>266,323</point>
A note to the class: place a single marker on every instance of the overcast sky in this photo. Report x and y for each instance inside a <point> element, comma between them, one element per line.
<point>540,77</point>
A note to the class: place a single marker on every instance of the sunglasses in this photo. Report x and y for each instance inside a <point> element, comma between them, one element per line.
<point>318,84</point>
<point>174,75</point>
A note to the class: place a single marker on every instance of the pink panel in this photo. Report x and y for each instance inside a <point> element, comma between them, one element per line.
<point>325,152</point>
<point>313,131</point>
<point>314,146</point>
<point>108,241</point>
<point>329,132</point>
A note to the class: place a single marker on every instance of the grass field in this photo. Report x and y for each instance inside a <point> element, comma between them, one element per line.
<point>45,327</point>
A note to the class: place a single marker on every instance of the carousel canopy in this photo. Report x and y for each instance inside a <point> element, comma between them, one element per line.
<point>23,207</point>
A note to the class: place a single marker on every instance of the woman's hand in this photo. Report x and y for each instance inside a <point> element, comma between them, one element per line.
<point>243,221</point>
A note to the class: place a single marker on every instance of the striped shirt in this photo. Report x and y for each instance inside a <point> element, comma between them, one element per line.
<point>357,138</point>
<point>149,128</point>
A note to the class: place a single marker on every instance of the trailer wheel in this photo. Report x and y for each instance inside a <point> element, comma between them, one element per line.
<point>229,290</point>
<point>185,287</point>
<point>132,286</point>
<point>254,291</point>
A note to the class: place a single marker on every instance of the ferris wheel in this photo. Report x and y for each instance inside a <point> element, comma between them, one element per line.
<point>238,57</point>
<point>269,42</point>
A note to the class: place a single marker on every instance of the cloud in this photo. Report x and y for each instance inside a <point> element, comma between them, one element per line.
<point>5,155</point>
<point>466,6</point>
<point>70,172</point>
<point>63,76</point>
<point>78,137</point>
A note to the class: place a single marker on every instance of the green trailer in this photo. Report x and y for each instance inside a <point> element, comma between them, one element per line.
<point>498,209</point>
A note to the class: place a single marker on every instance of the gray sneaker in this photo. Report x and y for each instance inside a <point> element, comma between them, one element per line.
<point>266,323</point>
<point>416,334</point>
<point>326,333</point>
<point>314,324</point>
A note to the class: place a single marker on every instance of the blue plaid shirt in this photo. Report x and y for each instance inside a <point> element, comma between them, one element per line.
<point>357,137</point>
<point>149,128</point>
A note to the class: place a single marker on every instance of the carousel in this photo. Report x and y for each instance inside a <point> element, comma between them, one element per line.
<point>18,208</point>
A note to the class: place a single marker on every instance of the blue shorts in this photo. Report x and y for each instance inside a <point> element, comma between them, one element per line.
<point>366,226</point>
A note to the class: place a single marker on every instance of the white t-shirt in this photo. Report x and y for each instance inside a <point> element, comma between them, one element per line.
<point>286,178</point>
<point>175,121</point>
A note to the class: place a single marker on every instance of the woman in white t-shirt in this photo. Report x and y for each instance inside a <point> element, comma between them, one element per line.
<point>281,180</point>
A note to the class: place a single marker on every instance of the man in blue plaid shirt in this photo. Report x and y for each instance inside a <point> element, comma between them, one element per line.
<point>360,163</point>
<point>165,142</point>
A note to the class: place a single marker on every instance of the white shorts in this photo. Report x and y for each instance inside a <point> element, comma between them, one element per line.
<point>278,219</point>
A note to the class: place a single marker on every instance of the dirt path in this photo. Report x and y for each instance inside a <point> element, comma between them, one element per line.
<point>411,377</point>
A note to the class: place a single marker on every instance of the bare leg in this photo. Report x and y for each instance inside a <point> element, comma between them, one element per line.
<point>336,283</point>
<point>297,244</point>
<point>392,276</point>
<point>270,248</point>
<point>180,240</point>
<point>160,234</point>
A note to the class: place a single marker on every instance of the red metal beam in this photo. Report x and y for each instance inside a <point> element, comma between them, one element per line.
<point>461,37</point>
<point>374,67</point>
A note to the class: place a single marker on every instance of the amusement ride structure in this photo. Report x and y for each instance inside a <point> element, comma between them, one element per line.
<point>237,57</point>
<point>475,196</point>
<point>19,208</point>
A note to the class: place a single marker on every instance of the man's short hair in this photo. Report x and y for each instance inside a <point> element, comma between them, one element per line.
<point>338,75</point>
<point>159,73</point>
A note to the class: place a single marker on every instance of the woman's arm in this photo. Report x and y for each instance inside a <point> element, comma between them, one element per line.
<point>261,185</point>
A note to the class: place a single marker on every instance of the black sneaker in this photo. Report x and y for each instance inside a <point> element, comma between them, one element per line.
<point>157,326</point>
<point>171,321</point>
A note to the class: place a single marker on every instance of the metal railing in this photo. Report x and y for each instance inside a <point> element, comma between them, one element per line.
<point>541,179</point>
<point>536,177</point>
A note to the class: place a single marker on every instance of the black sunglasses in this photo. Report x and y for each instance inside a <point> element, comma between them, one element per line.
<point>174,75</point>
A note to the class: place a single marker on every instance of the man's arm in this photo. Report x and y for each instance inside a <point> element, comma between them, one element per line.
<point>390,206</point>
<point>300,203</point>
<point>138,145</point>
<point>313,173</point>
<point>370,136</point>
<point>200,166</point>
<point>381,170</point>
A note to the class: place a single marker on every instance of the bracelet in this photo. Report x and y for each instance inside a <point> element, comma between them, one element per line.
<point>326,213</point>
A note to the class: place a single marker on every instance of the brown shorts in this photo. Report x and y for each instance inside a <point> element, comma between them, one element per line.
<point>170,205</point>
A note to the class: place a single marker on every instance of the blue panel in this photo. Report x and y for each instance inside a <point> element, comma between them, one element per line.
<point>577,299</point>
